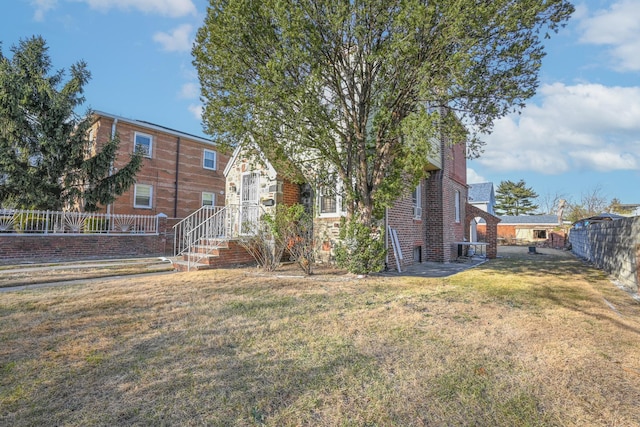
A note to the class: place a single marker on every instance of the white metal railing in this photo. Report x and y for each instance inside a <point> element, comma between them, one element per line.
<point>184,236</point>
<point>210,225</point>
<point>21,221</point>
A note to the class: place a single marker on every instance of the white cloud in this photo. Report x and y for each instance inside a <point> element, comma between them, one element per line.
<point>585,126</point>
<point>474,178</point>
<point>196,110</point>
<point>42,7</point>
<point>619,28</point>
<point>171,8</point>
<point>603,161</point>
<point>189,91</point>
<point>177,40</point>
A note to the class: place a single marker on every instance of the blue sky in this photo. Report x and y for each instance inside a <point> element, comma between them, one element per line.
<point>581,133</point>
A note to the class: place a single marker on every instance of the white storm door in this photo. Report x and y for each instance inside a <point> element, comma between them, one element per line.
<point>249,198</point>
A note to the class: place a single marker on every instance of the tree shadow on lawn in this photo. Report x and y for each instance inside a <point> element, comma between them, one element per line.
<point>555,278</point>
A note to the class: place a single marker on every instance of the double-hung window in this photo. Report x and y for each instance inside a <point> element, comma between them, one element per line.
<point>330,201</point>
<point>143,196</point>
<point>416,197</point>
<point>208,199</point>
<point>209,159</point>
<point>143,144</point>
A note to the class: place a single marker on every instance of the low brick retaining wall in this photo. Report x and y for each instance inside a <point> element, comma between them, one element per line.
<point>18,248</point>
<point>613,246</point>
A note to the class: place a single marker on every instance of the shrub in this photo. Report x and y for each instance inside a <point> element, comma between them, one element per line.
<point>295,229</point>
<point>290,230</point>
<point>361,248</point>
<point>261,243</point>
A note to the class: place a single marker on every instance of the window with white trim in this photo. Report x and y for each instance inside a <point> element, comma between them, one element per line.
<point>330,200</point>
<point>457,206</point>
<point>209,159</point>
<point>416,198</point>
<point>208,199</point>
<point>143,196</point>
<point>143,143</point>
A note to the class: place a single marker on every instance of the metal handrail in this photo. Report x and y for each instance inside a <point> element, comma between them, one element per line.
<point>209,226</point>
<point>182,228</point>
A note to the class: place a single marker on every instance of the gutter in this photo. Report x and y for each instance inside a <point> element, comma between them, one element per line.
<point>113,135</point>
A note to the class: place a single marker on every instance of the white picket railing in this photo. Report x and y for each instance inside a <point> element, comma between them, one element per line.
<point>21,221</point>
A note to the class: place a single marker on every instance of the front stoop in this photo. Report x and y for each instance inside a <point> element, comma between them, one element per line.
<point>218,255</point>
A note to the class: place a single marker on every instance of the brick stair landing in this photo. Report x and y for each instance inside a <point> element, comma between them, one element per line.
<point>218,255</point>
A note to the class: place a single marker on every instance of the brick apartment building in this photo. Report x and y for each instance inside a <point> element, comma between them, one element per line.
<point>180,172</point>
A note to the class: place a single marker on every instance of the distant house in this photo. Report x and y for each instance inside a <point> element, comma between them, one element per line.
<point>527,228</point>
<point>482,196</point>
<point>180,173</point>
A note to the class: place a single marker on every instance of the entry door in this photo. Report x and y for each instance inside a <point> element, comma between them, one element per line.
<point>249,209</point>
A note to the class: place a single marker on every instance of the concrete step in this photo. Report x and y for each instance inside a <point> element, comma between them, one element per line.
<point>184,266</point>
<point>221,255</point>
<point>217,243</point>
<point>199,257</point>
<point>204,249</point>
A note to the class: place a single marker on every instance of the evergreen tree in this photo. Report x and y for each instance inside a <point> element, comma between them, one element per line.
<point>47,160</point>
<point>515,198</point>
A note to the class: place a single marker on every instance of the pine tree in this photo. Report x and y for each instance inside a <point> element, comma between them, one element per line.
<point>47,160</point>
<point>515,198</point>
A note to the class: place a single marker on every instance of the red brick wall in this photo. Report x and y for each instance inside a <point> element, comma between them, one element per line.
<point>411,231</point>
<point>442,228</point>
<point>233,256</point>
<point>160,171</point>
<point>21,248</point>
<point>438,229</point>
<point>290,193</point>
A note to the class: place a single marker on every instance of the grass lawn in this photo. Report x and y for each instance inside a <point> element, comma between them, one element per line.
<point>521,340</point>
<point>22,275</point>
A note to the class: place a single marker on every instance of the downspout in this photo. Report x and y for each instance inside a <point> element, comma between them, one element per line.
<point>113,135</point>
<point>386,238</point>
<point>175,197</point>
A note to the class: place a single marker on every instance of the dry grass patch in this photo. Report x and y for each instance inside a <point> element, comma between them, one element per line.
<point>517,341</point>
<point>48,273</point>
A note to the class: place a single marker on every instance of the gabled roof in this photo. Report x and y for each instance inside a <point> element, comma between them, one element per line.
<point>529,219</point>
<point>480,193</point>
<point>241,150</point>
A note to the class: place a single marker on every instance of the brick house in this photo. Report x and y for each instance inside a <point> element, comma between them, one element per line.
<point>427,222</point>
<point>180,172</point>
<point>528,228</point>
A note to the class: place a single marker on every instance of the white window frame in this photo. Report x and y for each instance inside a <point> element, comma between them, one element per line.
<point>148,153</point>
<point>416,197</point>
<point>213,198</point>
<point>340,208</point>
<point>457,202</point>
<point>135,196</point>
<point>204,159</point>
